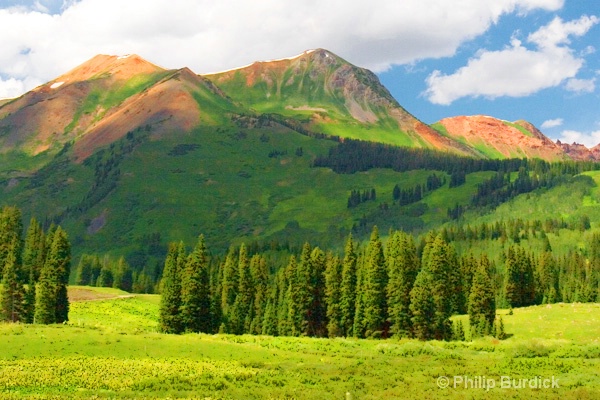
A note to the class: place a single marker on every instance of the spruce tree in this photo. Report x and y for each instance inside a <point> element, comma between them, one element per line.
<point>300,294</point>
<point>374,288</point>
<point>482,301</point>
<point>403,266</point>
<point>229,286</point>
<point>333,278</point>
<point>58,264</point>
<point>170,299</point>
<point>348,289</point>
<point>317,309</point>
<point>11,289</point>
<point>34,250</point>
<point>240,316</point>
<point>435,287</point>
<point>260,277</point>
<point>422,306</point>
<point>195,306</point>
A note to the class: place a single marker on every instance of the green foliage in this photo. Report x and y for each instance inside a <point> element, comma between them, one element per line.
<point>170,302</point>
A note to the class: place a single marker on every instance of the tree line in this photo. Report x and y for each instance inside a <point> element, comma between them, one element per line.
<point>34,271</point>
<point>377,291</point>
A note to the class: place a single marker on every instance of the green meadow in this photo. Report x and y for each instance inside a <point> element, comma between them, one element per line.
<point>111,349</point>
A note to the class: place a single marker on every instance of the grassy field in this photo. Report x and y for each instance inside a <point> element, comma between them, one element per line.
<point>111,349</point>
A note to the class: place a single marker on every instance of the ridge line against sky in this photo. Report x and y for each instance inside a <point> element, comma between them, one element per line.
<point>513,59</point>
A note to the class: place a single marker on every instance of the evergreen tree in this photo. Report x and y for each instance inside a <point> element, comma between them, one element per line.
<point>422,306</point>
<point>300,294</point>
<point>348,289</point>
<point>435,287</point>
<point>51,300</point>
<point>482,302</point>
<point>11,289</point>
<point>229,286</point>
<point>58,260</point>
<point>317,309</point>
<point>123,276</point>
<point>374,282</point>
<point>11,230</point>
<point>260,277</point>
<point>333,278</point>
<point>195,306</point>
<point>240,316</point>
<point>170,300</point>
<point>403,267</point>
<point>34,250</point>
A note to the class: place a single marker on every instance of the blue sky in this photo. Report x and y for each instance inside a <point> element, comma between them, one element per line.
<point>513,59</point>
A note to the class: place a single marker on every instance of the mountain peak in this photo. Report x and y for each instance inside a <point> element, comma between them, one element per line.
<point>102,65</point>
<point>497,138</point>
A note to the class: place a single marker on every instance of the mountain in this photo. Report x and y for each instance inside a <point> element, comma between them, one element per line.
<point>329,95</point>
<point>495,138</point>
<point>100,101</point>
<point>125,154</point>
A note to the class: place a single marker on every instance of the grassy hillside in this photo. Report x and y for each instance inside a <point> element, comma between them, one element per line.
<point>111,349</point>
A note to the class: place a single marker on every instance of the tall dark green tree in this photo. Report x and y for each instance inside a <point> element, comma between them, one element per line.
<point>434,288</point>
<point>229,287</point>
<point>195,306</point>
<point>300,293</point>
<point>34,251</point>
<point>11,289</point>
<point>58,259</point>
<point>170,299</point>
<point>51,300</point>
<point>403,266</point>
<point>317,310</point>
<point>333,280</point>
<point>373,288</point>
<point>482,301</point>
<point>348,289</point>
<point>260,278</point>
<point>241,316</point>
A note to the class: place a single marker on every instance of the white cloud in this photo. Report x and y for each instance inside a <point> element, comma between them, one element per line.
<point>589,139</point>
<point>581,85</point>
<point>210,36</point>
<point>552,123</point>
<point>516,71</point>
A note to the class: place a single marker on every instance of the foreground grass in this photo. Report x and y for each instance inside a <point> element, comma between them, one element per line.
<point>111,349</point>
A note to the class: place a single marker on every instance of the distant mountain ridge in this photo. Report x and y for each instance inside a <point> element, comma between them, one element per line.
<point>101,100</point>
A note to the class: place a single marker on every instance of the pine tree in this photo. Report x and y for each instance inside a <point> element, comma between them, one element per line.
<point>34,250</point>
<point>300,294</point>
<point>482,301</point>
<point>260,277</point>
<point>195,309</point>
<point>422,306</point>
<point>170,300</point>
<point>374,288</point>
<point>333,278</point>
<point>434,287</point>
<point>317,309</point>
<point>11,289</point>
<point>229,286</point>
<point>348,289</point>
<point>403,267</point>
<point>240,316</point>
<point>58,261</point>
<point>123,277</point>
<point>11,231</point>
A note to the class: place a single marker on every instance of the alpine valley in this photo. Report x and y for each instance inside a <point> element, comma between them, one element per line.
<point>119,151</point>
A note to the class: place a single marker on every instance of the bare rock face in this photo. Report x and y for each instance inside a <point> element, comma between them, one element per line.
<point>579,152</point>
<point>499,139</point>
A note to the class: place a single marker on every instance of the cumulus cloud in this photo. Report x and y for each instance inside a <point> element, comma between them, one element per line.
<point>49,37</point>
<point>517,70</point>
<point>588,139</point>
<point>552,123</point>
<point>581,85</point>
